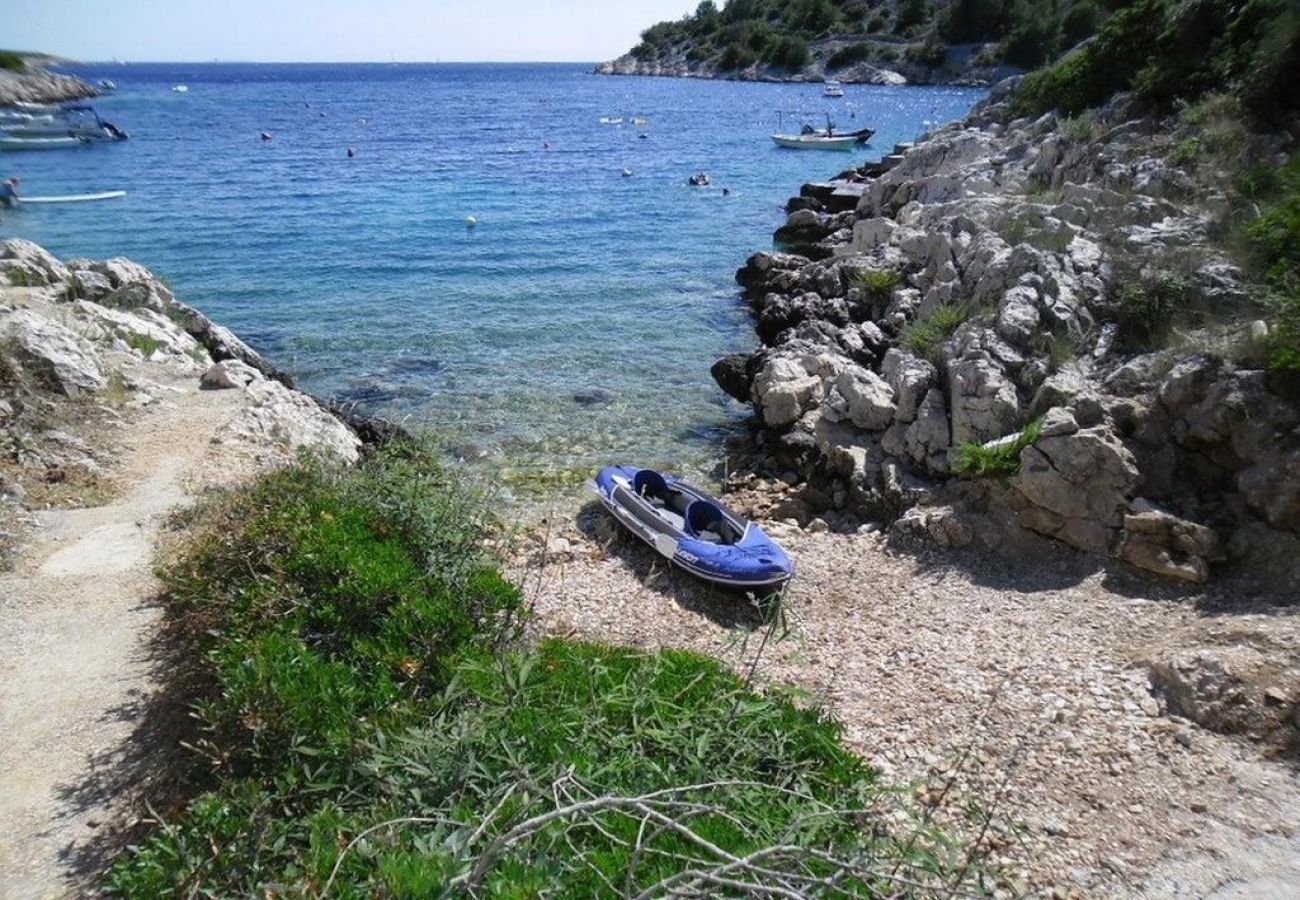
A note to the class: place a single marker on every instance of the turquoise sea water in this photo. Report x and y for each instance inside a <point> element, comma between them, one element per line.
<point>360,276</point>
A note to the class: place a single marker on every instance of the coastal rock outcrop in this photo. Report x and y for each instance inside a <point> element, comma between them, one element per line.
<point>980,301</point>
<point>85,341</point>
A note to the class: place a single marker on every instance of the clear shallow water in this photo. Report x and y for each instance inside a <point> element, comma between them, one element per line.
<point>361,277</point>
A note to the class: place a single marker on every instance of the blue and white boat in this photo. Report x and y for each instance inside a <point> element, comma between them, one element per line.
<point>692,529</point>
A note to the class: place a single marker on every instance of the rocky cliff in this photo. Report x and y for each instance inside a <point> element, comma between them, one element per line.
<point>1028,326</point>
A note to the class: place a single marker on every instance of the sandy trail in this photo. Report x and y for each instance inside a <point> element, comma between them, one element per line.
<point>75,664</point>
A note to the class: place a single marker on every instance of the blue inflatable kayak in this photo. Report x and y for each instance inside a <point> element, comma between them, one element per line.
<point>692,529</point>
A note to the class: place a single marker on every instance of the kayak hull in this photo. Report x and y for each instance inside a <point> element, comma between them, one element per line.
<point>692,529</point>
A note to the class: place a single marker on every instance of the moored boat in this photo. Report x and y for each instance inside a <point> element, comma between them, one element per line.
<point>78,121</point>
<point>39,143</point>
<point>815,141</point>
<point>692,529</point>
<point>833,89</point>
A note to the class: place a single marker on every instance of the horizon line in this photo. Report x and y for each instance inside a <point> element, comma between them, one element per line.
<point>330,62</point>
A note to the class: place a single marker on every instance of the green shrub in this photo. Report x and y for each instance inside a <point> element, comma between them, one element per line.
<point>1081,21</point>
<point>737,56</point>
<point>789,53</point>
<point>931,53</point>
<point>1275,236</point>
<point>1001,458</point>
<point>1168,50</point>
<point>924,336</point>
<point>147,345</point>
<point>850,54</point>
<point>879,284</point>
<point>12,61</point>
<point>1147,307</point>
<point>911,14</point>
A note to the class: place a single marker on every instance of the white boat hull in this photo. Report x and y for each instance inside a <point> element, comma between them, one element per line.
<point>54,143</point>
<point>814,142</point>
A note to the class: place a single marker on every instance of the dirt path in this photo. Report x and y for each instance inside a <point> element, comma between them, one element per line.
<point>1020,681</point>
<point>74,663</point>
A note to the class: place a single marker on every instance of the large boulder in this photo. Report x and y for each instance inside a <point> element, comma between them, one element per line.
<point>1160,542</point>
<point>1076,487</point>
<point>1236,688</point>
<point>911,378</point>
<point>862,397</point>
<point>59,357</point>
<point>783,390</point>
<point>287,421</point>
<point>29,264</point>
<point>733,375</point>
<point>983,403</point>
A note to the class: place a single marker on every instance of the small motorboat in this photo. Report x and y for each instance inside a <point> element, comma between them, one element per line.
<point>699,179</point>
<point>833,89</point>
<point>815,141</point>
<point>180,88</point>
<point>78,121</point>
<point>611,120</point>
<point>40,143</point>
<point>105,86</point>
<point>692,529</point>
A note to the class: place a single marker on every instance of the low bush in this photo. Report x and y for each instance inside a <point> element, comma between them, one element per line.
<point>999,459</point>
<point>12,61</point>
<point>850,54</point>
<point>924,336</point>
<point>376,729</point>
<point>1148,306</point>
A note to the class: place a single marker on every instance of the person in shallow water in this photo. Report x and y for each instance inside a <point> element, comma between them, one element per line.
<point>9,193</point>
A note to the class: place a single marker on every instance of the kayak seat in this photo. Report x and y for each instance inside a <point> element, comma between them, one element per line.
<point>705,521</point>
<point>649,484</point>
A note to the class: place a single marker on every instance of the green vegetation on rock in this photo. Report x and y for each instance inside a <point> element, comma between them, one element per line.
<point>924,336</point>
<point>770,33</point>
<point>1275,234</point>
<point>1168,50</point>
<point>373,724</point>
<point>12,61</point>
<point>997,458</point>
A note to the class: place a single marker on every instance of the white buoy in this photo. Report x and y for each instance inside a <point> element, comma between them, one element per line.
<point>470,222</point>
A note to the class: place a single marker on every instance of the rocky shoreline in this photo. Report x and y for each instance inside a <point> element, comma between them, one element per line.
<point>986,295</point>
<point>38,85</point>
<point>962,65</point>
<point>87,345</point>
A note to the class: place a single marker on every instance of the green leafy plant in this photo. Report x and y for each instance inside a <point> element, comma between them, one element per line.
<point>998,458</point>
<point>879,284</point>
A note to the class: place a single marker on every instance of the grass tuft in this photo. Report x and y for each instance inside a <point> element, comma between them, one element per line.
<point>924,336</point>
<point>1000,459</point>
<point>147,345</point>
